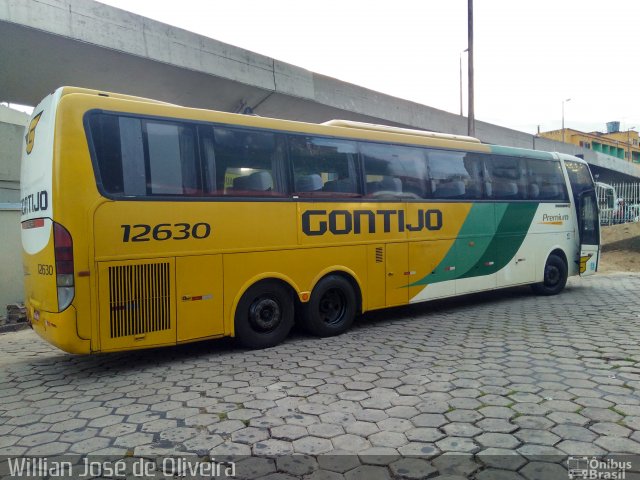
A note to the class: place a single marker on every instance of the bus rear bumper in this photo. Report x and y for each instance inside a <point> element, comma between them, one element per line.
<point>59,329</point>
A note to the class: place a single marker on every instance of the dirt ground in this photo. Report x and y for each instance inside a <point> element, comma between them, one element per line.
<point>620,248</point>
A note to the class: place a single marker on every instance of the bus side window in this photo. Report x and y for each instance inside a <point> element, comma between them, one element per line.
<point>134,175</point>
<point>116,145</point>
<point>212,186</point>
<point>323,167</point>
<point>393,171</point>
<point>137,157</point>
<point>579,178</point>
<point>505,178</point>
<point>172,159</point>
<point>251,163</point>
<point>547,176</point>
<point>454,175</point>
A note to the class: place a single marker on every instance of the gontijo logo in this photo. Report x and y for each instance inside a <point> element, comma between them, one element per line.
<point>344,222</point>
<point>31,133</point>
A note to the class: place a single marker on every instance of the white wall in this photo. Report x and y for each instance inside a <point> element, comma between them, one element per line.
<point>12,125</point>
<point>11,276</point>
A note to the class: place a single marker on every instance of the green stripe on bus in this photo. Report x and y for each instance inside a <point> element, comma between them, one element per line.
<point>479,227</point>
<point>511,232</point>
<point>482,248</point>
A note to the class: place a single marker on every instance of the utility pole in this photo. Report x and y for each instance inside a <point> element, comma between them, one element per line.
<point>563,102</point>
<point>465,50</point>
<point>471,124</point>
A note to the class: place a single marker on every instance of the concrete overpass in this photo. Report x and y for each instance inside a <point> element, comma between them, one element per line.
<point>48,43</point>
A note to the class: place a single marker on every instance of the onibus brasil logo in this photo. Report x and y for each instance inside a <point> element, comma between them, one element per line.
<point>597,468</point>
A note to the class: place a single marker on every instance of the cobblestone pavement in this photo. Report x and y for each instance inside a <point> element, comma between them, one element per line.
<point>500,385</point>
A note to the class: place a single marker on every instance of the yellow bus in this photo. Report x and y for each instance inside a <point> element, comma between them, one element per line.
<point>147,224</point>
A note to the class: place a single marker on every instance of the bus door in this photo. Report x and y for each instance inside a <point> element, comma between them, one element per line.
<point>589,232</point>
<point>586,205</point>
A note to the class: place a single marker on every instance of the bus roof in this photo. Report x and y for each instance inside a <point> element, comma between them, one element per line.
<point>337,128</point>
<point>405,131</point>
<point>88,91</point>
<point>340,128</point>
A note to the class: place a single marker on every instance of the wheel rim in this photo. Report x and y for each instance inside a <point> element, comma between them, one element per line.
<point>265,314</point>
<point>551,275</point>
<point>333,306</point>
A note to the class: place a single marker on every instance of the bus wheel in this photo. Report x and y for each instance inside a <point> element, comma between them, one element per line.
<point>264,315</point>
<point>555,277</point>
<point>332,307</point>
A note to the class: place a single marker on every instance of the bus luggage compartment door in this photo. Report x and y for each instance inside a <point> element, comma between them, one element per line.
<point>199,296</point>
<point>397,270</point>
<point>137,303</point>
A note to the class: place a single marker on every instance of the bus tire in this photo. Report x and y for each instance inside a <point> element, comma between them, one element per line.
<point>264,315</point>
<point>332,307</point>
<point>555,277</point>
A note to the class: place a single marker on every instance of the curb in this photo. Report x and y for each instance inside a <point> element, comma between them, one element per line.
<point>13,327</point>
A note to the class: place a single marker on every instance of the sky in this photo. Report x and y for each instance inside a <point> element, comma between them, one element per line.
<point>530,56</point>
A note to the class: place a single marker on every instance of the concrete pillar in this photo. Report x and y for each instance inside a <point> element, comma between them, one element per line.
<point>12,129</point>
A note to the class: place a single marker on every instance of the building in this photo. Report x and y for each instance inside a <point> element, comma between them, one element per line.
<point>12,131</point>
<point>619,144</point>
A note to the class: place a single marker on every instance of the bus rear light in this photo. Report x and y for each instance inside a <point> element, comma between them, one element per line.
<point>65,297</point>
<point>64,280</point>
<point>64,267</point>
<point>33,223</point>
<point>63,248</point>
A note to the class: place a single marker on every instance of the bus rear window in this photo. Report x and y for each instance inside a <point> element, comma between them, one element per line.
<point>139,157</point>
